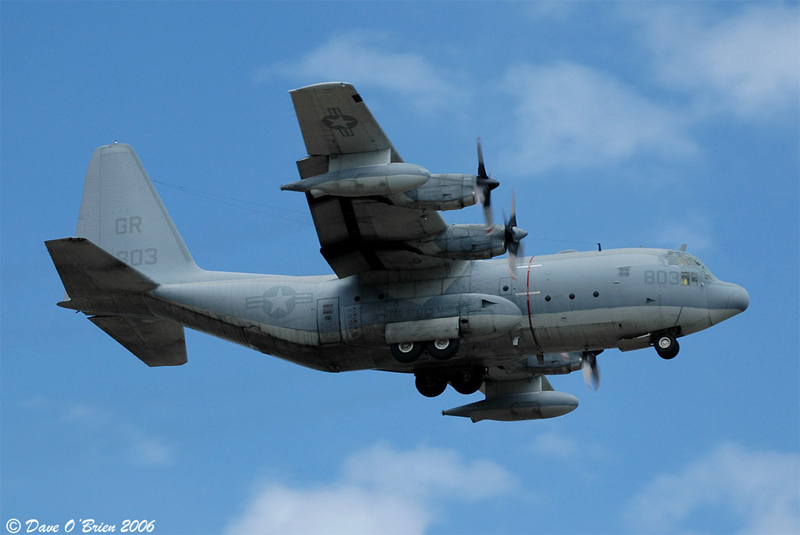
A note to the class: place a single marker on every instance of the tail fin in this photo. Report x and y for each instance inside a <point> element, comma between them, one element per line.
<point>122,213</point>
<point>126,246</point>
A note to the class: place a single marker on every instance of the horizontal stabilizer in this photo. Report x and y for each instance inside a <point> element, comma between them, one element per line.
<point>156,342</point>
<point>87,270</point>
<point>95,280</point>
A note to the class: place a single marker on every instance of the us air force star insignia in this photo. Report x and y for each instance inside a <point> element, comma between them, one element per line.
<point>337,121</point>
<point>279,301</point>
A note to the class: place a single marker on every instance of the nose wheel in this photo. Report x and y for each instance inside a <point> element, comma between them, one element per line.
<point>667,346</point>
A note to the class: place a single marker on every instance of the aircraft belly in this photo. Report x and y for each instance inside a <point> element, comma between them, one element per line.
<point>603,328</point>
<point>578,330</point>
<point>635,321</point>
<point>694,319</point>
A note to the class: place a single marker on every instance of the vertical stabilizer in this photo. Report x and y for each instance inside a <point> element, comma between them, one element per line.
<point>122,213</point>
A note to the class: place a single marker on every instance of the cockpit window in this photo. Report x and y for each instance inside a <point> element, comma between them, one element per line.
<point>680,258</point>
<point>707,275</point>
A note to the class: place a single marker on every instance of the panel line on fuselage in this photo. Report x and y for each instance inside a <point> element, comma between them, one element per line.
<point>528,300</point>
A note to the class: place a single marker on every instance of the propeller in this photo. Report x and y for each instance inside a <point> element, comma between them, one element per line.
<point>484,185</point>
<point>513,235</point>
<point>591,373</point>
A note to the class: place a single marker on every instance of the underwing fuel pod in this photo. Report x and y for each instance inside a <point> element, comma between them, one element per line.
<point>408,293</point>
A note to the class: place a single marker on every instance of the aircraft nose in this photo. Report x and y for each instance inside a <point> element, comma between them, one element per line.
<point>739,299</point>
<point>725,300</point>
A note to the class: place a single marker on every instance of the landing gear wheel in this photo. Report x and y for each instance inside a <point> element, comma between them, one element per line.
<point>667,346</point>
<point>406,352</point>
<point>443,349</point>
<point>468,382</point>
<point>430,385</point>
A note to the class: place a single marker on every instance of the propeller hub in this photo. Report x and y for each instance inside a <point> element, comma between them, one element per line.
<point>490,183</point>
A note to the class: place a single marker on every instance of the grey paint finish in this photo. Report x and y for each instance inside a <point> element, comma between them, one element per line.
<point>406,282</point>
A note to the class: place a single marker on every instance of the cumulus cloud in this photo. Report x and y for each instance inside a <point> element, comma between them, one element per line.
<point>336,510</point>
<point>575,117</point>
<point>747,63</point>
<point>380,490</point>
<point>118,439</point>
<point>760,490</point>
<point>367,59</point>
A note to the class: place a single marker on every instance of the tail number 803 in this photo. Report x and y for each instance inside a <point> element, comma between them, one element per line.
<point>137,257</point>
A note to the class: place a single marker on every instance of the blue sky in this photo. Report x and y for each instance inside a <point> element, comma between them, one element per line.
<point>629,124</point>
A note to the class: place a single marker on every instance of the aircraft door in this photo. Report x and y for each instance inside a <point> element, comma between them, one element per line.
<point>328,320</point>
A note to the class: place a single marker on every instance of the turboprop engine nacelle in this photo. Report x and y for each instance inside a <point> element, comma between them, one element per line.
<point>441,192</point>
<point>464,242</point>
<point>371,180</point>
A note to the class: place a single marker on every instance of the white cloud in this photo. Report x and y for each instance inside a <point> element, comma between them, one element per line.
<point>575,117</point>
<point>748,64</point>
<point>759,490</point>
<point>117,439</point>
<point>425,470</point>
<point>381,490</point>
<point>366,59</point>
<point>336,510</point>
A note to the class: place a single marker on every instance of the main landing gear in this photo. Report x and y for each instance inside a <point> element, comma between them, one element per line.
<point>466,381</point>
<point>666,346</point>
<point>407,352</point>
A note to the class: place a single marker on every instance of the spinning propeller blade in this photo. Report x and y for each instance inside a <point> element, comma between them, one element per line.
<point>591,373</point>
<point>483,188</point>
<point>513,235</point>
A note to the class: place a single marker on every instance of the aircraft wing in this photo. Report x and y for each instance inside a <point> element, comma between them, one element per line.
<point>334,120</point>
<point>357,233</point>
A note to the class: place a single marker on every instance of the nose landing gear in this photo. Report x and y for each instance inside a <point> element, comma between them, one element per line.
<point>666,346</point>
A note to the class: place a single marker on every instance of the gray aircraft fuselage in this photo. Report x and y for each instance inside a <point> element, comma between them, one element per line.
<point>572,301</point>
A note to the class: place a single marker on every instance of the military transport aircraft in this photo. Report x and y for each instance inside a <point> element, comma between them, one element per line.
<point>410,293</point>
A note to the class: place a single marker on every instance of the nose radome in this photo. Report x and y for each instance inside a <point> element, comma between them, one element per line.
<point>725,300</point>
<point>739,299</point>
